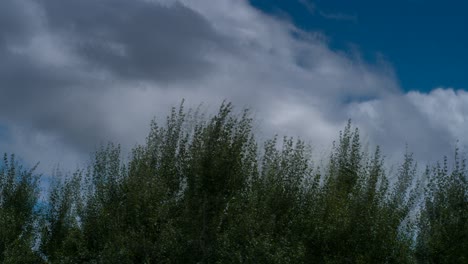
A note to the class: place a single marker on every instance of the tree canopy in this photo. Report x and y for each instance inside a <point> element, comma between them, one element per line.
<point>205,190</point>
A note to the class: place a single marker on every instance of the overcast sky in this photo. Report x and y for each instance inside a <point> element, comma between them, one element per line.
<point>78,73</point>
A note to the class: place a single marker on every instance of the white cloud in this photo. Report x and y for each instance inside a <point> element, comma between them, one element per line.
<point>294,82</point>
<point>445,108</point>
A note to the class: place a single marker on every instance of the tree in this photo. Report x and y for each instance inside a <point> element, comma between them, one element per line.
<point>19,193</point>
<point>201,190</point>
<point>443,222</point>
<point>61,237</point>
<point>351,219</point>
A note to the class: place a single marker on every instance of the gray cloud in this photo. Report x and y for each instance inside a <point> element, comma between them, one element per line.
<point>14,22</point>
<point>137,39</point>
<point>60,59</point>
<point>75,73</point>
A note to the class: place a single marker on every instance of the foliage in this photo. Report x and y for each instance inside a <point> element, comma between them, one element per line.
<point>18,200</point>
<point>204,190</point>
<point>443,222</point>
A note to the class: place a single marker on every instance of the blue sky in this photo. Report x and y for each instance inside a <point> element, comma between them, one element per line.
<point>425,41</point>
<point>75,74</point>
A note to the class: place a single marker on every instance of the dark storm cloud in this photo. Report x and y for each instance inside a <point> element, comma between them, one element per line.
<point>124,40</point>
<point>14,24</point>
<point>136,39</point>
<point>38,97</point>
<point>23,79</point>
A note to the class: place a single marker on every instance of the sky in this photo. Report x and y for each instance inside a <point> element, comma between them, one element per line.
<point>415,36</point>
<point>75,74</point>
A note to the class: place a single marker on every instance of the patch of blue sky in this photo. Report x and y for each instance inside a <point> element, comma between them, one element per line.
<point>425,41</point>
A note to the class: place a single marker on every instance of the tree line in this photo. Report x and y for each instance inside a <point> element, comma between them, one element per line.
<point>205,190</point>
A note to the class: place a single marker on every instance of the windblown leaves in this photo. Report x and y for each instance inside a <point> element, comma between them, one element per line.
<point>203,190</point>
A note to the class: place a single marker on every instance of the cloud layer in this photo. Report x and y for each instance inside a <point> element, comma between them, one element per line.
<point>76,73</point>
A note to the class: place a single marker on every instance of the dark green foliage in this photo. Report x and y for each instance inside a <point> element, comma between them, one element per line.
<point>264,222</point>
<point>205,191</point>
<point>352,220</point>
<point>18,213</point>
<point>443,223</point>
<point>61,236</point>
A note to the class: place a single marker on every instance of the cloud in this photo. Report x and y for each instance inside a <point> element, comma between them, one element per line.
<point>76,73</point>
<point>446,108</point>
<point>62,59</point>
<point>394,121</point>
<point>339,16</point>
<point>310,6</point>
<point>137,40</point>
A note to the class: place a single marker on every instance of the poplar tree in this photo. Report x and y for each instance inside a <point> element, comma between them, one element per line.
<point>19,211</point>
<point>443,222</point>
